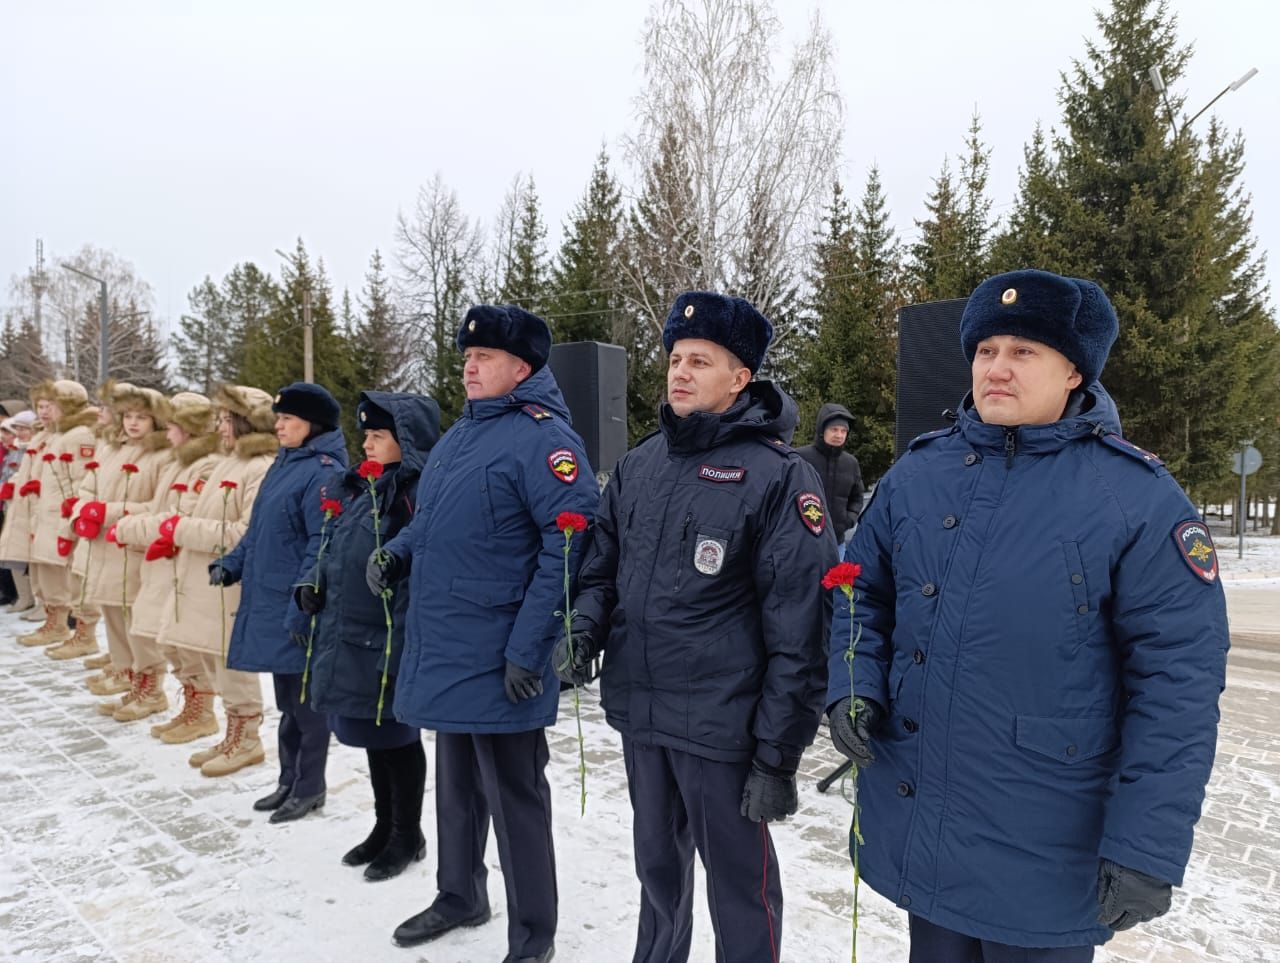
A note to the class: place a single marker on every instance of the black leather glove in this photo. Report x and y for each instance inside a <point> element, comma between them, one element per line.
<point>382,571</point>
<point>298,639</point>
<point>309,599</point>
<point>852,736</point>
<point>521,683</point>
<point>1127,897</point>
<point>221,576</point>
<point>581,669</point>
<point>769,793</point>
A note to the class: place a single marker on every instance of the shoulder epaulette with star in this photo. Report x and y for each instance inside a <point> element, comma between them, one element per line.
<point>776,443</point>
<point>928,436</point>
<point>538,413</point>
<point>1121,444</point>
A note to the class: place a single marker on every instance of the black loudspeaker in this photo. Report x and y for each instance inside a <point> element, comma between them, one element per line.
<point>593,379</point>
<point>933,374</point>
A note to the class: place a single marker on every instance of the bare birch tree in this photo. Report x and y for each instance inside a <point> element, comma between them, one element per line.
<point>749,137</point>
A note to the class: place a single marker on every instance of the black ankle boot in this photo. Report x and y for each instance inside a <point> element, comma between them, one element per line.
<point>395,858</point>
<point>377,839</point>
<point>272,801</point>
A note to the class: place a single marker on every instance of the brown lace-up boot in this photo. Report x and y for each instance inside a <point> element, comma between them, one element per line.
<point>243,748</point>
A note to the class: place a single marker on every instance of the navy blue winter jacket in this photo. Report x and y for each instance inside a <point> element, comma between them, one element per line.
<point>486,561</point>
<point>703,583</point>
<point>1041,615</point>
<point>349,647</point>
<point>278,551</point>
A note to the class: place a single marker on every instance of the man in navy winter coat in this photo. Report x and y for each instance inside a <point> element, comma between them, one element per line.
<point>1043,643</point>
<point>702,587</point>
<point>483,562</point>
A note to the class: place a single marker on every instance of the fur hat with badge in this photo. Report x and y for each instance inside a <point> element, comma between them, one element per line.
<point>253,404</point>
<point>1070,315</point>
<point>310,402</point>
<point>192,412</point>
<point>507,328</point>
<point>732,323</point>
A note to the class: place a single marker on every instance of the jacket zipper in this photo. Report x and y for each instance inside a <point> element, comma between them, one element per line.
<point>1010,446</point>
<point>684,536</point>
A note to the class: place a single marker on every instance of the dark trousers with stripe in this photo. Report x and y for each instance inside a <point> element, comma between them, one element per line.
<point>934,944</point>
<point>302,738</point>
<point>500,776</point>
<point>684,803</point>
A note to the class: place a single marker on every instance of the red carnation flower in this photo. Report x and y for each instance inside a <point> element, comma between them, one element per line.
<point>370,470</point>
<point>129,469</point>
<point>48,456</point>
<point>228,484</point>
<point>331,507</point>
<point>91,466</point>
<point>178,487</point>
<point>33,451</point>
<point>570,522</point>
<point>842,574</point>
<point>66,456</point>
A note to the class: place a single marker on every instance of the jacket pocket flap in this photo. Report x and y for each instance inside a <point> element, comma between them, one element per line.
<point>1067,740</point>
<point>483,591</point>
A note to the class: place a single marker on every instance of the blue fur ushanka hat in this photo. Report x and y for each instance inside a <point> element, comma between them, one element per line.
<point>310,402</point>
<point>732,323</point>
<point>508,328</point>
<point>1070,315</point>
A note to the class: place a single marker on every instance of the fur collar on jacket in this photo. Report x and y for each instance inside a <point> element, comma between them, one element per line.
<point>258,443</point>
<point>193,449</point>
<point>84,418</point>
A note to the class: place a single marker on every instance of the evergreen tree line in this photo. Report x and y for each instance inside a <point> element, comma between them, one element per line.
<point>1160,219</point>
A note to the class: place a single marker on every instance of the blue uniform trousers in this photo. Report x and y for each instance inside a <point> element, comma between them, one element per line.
<point>500,776</point>
<point>684,803</point>
<point>302,739</point>
<point>934,944</point>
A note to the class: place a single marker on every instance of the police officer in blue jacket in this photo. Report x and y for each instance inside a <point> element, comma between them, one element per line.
<point>277,552</point>
<point>702,587</point>
<point>1043,643</point>
<point>483,562</point>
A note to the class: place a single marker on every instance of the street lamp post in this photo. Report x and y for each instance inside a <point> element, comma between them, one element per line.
<point>308,343</point>
<point>1159,86</point>
<point>103,321</point>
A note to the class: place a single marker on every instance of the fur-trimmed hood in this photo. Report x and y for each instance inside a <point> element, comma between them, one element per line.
<point>257,443</point>
<point>192,450</point>
<point>157,440</point>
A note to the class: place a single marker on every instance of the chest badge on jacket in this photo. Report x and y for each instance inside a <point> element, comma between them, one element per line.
<point>714,473</point>
<point>708,554</point>
<point>811,512</point>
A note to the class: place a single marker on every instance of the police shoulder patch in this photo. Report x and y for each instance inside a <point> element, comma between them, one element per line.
<point>811,512</point>
<point>564,465</point>
<point>1196,548</point>
<point>1121,444</point>
<point>537,412</point>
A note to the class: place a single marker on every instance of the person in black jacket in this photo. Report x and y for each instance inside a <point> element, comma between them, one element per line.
<point>839,471</point>
<point>348,652</point>
<point>702,587</point>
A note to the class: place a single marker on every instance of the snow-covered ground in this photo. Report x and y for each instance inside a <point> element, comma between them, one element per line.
<point>113,848</point>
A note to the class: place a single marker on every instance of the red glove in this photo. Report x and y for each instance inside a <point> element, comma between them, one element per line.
<point>161,548</point>
<point>168,525</point>
<point>30,488</point>
<point>68,506</point>
<point>6,491</point>
<point>95,512</point>
<point>65,545</point>
<point>85,528</point>
<point>111,537</point>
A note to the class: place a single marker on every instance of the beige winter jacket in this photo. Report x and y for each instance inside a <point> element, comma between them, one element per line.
<point>203,536</point>
<point>60,480</point>
<point>15,539</point>
<point>115,573</point>
<point>187,467</point>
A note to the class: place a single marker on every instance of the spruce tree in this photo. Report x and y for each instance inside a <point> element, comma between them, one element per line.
<point>249,295</point>
<point>524,282</point>
<point>377,353</point>
<point>937,268</point>
<point>584,300</point>
<point>23,362</point>
<point>201,342</point>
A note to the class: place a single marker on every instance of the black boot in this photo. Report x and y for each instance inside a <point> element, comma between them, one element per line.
<point>380,779</point>
<point>407,766</point>
<point>295,807</point>
<point>273,800</point>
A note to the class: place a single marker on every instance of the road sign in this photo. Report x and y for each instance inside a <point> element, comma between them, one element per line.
<point>1252,460</point>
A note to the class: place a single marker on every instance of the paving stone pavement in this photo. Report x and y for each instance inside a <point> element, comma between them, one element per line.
<point>113,848</point>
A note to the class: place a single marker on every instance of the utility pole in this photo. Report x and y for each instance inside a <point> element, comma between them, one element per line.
<point>308,346</point>
<point>39,282</point>
<point>103,321</point>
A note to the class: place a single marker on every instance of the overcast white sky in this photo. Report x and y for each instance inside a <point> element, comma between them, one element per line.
<point>187,137</point>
